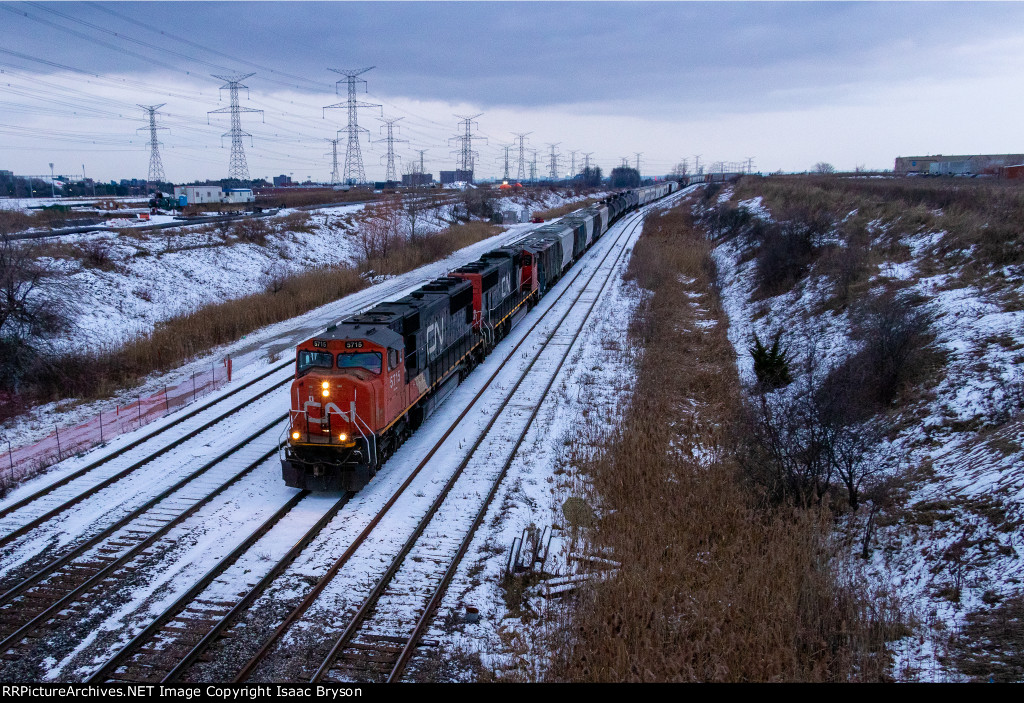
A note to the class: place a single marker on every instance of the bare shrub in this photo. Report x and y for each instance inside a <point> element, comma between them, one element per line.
<point>251,230</point>
<point>33,306</point>
<point>296,222</point>
<point>895,331</point>
<point>788,248</point>
<point>96,254</point>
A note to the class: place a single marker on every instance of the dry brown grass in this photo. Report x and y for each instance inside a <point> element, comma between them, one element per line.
<point>981,218</point>
<point>715,583</point>
<point>92,374</point>
<point>300,197</point>
<point>564,209</point>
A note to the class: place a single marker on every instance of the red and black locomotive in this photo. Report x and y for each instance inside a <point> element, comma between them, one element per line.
<point>363,385</point>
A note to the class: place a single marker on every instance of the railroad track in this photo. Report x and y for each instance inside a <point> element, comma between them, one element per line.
<point>24,516</point>
<point>64,591</point>
<point>182,635</point>
<point>379,646</point>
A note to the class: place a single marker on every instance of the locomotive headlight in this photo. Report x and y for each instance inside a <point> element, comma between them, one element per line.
<point>342,437</point>
<point>295,435</point>
<point>325,393</point>
<point>325,385</point>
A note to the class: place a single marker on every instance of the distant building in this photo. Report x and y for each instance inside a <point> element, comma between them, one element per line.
<point>448,177</point>
<point>417,179</point>
<point>956,165</point>
<point>238,195</point>
<point>282,180</point>
<point>198,195</point>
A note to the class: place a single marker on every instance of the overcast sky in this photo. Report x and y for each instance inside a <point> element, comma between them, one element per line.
<point>786,84</point>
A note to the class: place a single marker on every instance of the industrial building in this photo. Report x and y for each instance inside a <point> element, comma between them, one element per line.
<point>956,165</point>
<point>448,177</point>
<point>411,180</point>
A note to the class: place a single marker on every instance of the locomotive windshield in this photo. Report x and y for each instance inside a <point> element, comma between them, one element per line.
<point>310,359</point>
<point>371,361</point>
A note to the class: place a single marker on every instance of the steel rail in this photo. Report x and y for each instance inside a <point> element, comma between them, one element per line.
<point>108,569</point>
<point>8,509</point>
<point>308,600</point>
<point>108,672</point>
<point>373,597</point>
<point>442,588</point>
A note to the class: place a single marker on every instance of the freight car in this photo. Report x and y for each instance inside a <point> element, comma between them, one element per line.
<point>363,385</point>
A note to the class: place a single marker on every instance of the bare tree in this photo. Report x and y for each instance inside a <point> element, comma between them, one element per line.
<point>824,167</point>
<point>34,304</point>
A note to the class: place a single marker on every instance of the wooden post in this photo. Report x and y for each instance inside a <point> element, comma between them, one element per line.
<point>193,386</point>
<point>59,454</point>
<point>167,400</point>
<point>101,427</point>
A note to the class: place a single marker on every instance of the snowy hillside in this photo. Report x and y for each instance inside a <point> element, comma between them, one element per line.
<point>943,481</point>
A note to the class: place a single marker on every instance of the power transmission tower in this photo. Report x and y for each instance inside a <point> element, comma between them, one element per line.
<point>572,168</point>
<point>586,161</point>
<point>638,154</point>
<point>553,164</point>
<point>238,169</point>
<point>533,168</point>
<point>625,161</point>
<point>507,147</point>
<point>334,159</point>
<point>354,172</point>
<point>465,152</point>
<point>391,174</point>
<point>696,165</point>
<point>521,173</point>
<point>156,166</point>
<point>421,152</point>
<point>750,165</point>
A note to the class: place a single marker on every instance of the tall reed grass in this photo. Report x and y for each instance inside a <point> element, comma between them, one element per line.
<point>716,583</point>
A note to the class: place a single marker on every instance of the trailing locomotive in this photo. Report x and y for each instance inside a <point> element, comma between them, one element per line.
<point>363,385</point>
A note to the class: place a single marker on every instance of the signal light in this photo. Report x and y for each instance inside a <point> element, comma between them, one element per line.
<point>342,437</point>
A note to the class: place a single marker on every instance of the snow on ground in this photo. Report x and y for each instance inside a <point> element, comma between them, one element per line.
<point>160,275</point>
<point>956,548</point>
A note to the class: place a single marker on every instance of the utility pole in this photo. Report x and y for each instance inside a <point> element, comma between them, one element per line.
<point>238,169</point>
<point>53,186</point>
<point>334,159</point>
<point>354,172</point>
<point>156,165</point>
<point>465,153</point>
<point>553,165</point>
<point>521,173</point>
<point>392,174</point>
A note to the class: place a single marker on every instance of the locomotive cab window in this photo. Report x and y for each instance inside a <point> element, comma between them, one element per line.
<point>371,361</point>
<point>392,359</point>
<point>313,359</point>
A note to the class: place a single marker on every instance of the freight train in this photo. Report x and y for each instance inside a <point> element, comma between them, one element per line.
<point>363,385</point>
